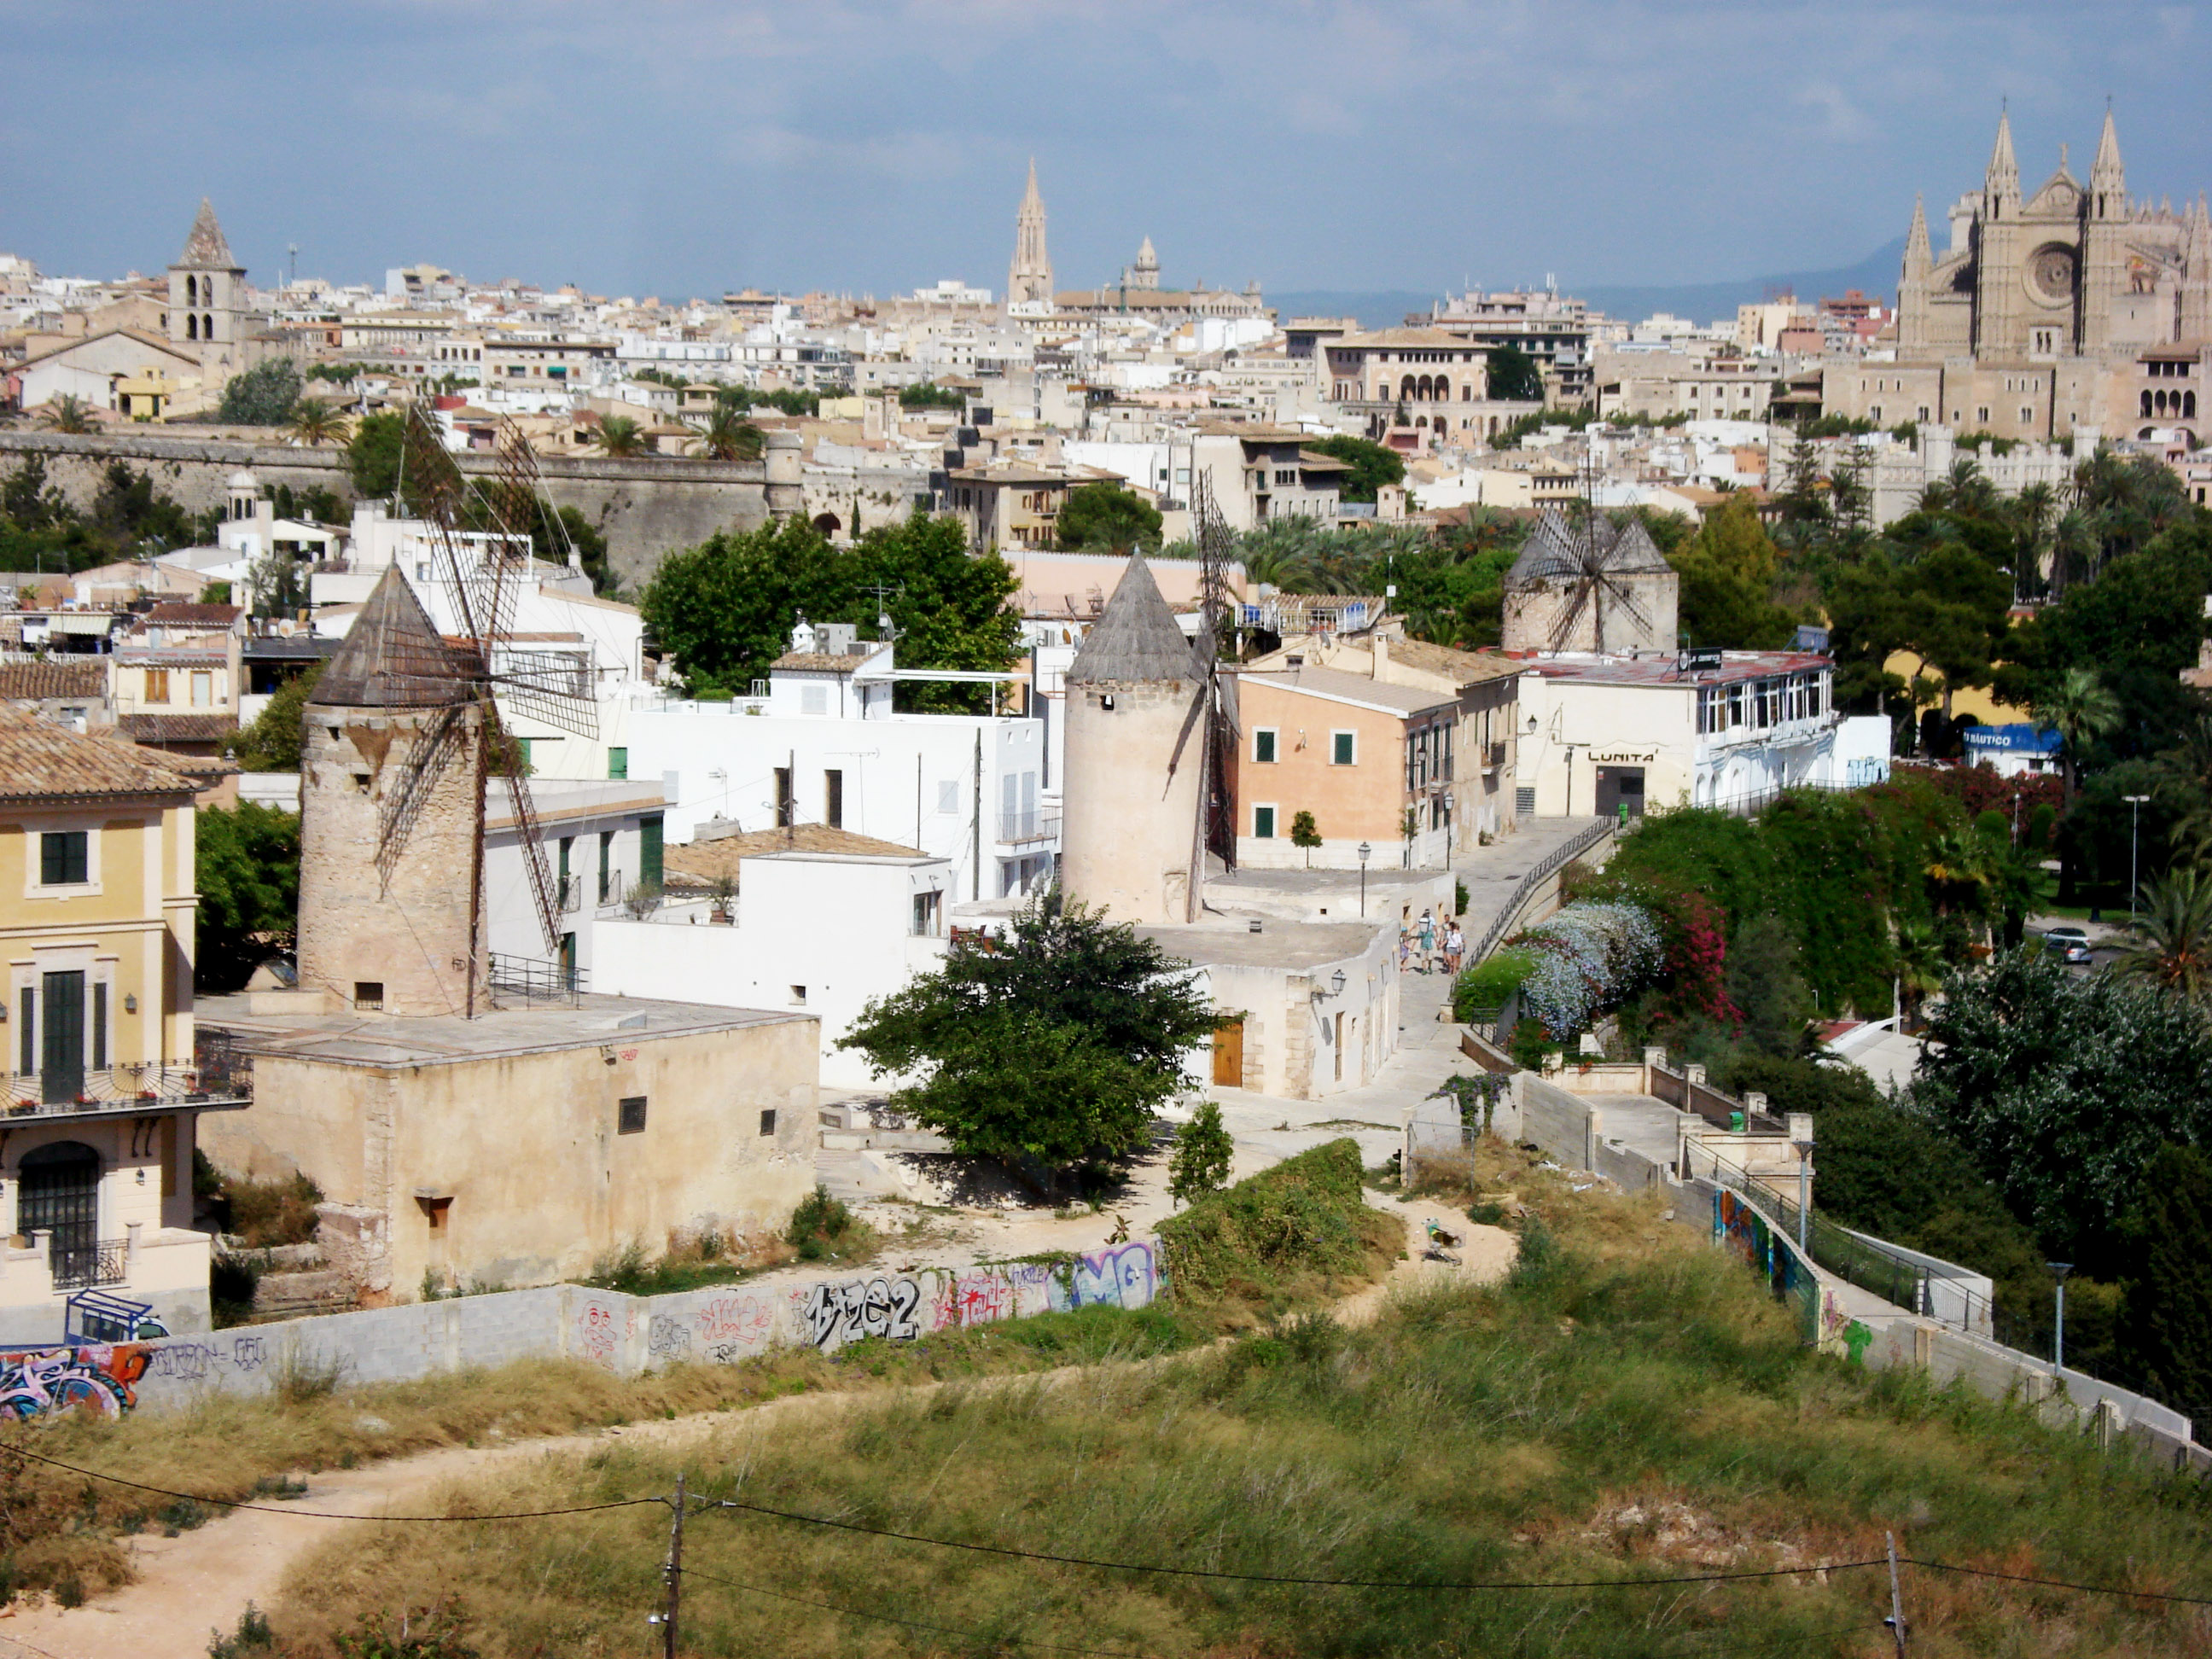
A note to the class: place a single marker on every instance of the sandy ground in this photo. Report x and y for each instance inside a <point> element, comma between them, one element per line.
<point>201,1581</point>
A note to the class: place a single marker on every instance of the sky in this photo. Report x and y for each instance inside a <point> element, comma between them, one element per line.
<point>684,147</point>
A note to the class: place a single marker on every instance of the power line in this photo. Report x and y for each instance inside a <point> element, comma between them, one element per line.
<point>890,1619</point>
<point>2057,1584</point>
<point>316,1514</point>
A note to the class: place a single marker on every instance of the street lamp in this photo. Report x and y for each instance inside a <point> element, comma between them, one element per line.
<point>2058,1336</point>
<point>1367,852</point>
<point>1804,1192</point>
<point>2135,842</point>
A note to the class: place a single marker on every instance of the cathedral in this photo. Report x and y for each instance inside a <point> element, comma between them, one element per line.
<point>2070,311</point>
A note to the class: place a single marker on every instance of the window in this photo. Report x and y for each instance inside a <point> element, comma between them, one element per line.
<point>783,812</point>
<point>649,868</point>
<point>928,911</point>
<point>768,1119</point>
<point>368,993</point>
<point>30,1051</point>
<point>1343,747</point>
<point>798,996</point>
<point>157,685</point>
<point>1982,414</point>
<point>948,795</point>
<point>833,799</point>
<point>64,858</point>
<point>98,1026</point>
<point>606,864</point>
<point>1263,828</point>
<point>618,763</point>
<point>813,699</point>
<point>629,1115</point>
<point>1263,746</point>
<point>203,689</point>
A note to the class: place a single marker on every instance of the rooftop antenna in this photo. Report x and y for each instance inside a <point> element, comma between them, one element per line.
<point>292,250</point>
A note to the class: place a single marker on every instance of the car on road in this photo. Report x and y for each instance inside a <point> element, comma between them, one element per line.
<point>2068,944</point>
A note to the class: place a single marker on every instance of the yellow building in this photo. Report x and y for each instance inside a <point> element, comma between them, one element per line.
<point>1973,700</point>
<point>97,905</point>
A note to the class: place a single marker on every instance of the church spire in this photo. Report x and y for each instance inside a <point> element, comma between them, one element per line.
<point>2002,182</point>
<point>1917,255</point>
<point>2196,276</point>
<point>206,248</point>
<point>1030,277</point>
<point>2107,178</point>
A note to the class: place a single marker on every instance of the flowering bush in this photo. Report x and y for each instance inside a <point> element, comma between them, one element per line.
<point>1695,932</point>
<point>1589,958</point>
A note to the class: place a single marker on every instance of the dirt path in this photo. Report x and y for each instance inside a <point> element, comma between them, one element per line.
<point>202,1580</point>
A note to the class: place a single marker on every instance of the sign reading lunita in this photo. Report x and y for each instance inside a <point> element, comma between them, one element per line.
<point>1623,756</point>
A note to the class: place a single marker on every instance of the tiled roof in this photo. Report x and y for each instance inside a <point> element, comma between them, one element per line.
<point>82,676</point>
<point>1137,639</point>
<point>158,729</point>
<point>182,615</point>
<point>41,761</point>
<point>699,864</point>
<point>1467,667</point>
<point>393,657</point>
<point>825,662</point>
<point>205,248</point>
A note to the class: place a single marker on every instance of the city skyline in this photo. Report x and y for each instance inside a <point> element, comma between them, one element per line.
<point>867,148</point>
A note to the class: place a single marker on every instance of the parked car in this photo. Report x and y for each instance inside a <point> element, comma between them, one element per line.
<point>2068,944</point>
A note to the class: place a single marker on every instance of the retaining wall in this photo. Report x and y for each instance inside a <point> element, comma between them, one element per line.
<point>626,1335</point>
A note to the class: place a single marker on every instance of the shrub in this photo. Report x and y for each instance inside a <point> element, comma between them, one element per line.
<point>278,1211</point>
<point>1588,959</point>
<point>1300,1217</point>
<point>1201,1161</point>
<point>822,1227</point>
<point>1488,983</point>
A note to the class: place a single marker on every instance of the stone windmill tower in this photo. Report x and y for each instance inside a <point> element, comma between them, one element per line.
<point>395,936</point>
<point>1134,761</point>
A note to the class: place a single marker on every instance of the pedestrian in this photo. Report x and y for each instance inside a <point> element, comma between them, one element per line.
<point>1455,948</point>
<point>1428,936</point>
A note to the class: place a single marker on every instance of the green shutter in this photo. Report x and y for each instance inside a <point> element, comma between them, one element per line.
<point>1263,824</point>
<point>648,851</point>
<point>617,762</point>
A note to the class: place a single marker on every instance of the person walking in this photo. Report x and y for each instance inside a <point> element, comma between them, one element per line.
<point>1455,948</point>
<point>1428,936</point>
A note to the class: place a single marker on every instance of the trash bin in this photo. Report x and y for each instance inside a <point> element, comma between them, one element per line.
<point>1736,1123</point>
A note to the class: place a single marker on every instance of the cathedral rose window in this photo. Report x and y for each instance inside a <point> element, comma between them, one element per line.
<point>2050,275</point>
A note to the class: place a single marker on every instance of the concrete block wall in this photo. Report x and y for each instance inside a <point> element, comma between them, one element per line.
<point>627,1335</point>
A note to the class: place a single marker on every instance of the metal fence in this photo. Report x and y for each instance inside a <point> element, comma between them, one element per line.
<point>1557,858</point>
<point>528,980</point>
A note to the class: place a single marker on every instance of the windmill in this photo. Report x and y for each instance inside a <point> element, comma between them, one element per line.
<point>1213,711</point>
<point>482,573</point>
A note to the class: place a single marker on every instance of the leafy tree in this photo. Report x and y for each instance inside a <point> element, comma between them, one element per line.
<point>280,585</point>
<point>1765,987</point>
<point>130,512</point>
<point>1051,1047</point>
<point>1305,834</point>
<point>272,742</point>
<point>619,437</point>
<point>1106,515</point>
<point>574,530</point>
<point>374,455</point>
<point>247,863</point>
<point>265,395</point>
<point>315,422</point>
<point>730,437</point>
<point>930,395</point>
<point>726,607</point>
<point>1515,376</point>
<point>217,592</point>
<point>2166,1335</point>
<point>1372,465</point>
<point>2065,1089</point>
<point>67,412</point>
<point>2079,709</point>
<point>1727,572</point>
<point>1200,1163</point>
<point>336,374</point>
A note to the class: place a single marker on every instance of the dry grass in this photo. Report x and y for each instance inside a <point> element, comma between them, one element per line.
<point>278,1211</point>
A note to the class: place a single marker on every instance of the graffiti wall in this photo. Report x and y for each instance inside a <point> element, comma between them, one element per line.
<point>625,1335</point>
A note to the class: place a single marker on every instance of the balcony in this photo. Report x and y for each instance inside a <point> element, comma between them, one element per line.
<point>222,1076</point>
<point>1017,828</point>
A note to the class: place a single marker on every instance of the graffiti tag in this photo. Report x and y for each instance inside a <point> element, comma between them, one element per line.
<point>95,1377</point>
<point>834,1315</point>
<point>667,1338</point>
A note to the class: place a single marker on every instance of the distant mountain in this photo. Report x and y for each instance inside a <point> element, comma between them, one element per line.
<point>1701,302</point>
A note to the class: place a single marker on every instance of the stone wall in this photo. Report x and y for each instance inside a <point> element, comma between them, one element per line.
<point>625,1335</point>
<point>645,506</point>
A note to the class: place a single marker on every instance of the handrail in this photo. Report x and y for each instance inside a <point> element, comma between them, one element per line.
<point>1559,856</point>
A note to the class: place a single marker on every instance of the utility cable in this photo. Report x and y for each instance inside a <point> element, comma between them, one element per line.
<point>7,1451</point>
<point>2055,1583</point>
<point>890,1618</point>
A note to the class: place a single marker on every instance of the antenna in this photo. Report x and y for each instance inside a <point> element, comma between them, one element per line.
<point>292,250</point>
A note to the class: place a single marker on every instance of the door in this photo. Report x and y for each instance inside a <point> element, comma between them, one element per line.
<point>1340,1048</point>
<point>61,1064</point>
<point>58,1192</point>
<point>1229,1054</point>
<point>1620,787</point>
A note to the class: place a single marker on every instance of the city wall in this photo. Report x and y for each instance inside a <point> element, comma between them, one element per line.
<point>645,506</point>
<point>720,1325</point>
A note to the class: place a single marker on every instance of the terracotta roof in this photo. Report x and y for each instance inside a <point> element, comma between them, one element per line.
<point>1467,667</point>
<point>1137,638</point>
<point>41,761</point>
<point>157,729</point>
<point>392,656</point>
<point>181,615</point>
<point>702,862</point>
<point>827,662</point>
<point>205,248</point>
<point>84,676</point>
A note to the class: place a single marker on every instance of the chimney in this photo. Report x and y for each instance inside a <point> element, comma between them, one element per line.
<point>1378,654</point>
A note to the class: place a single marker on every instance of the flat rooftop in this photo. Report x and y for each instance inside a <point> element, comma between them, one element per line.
<point>1290,945</point>
<point>348,1038</point>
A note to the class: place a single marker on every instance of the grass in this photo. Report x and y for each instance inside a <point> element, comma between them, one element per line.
<point>266,1213</point>
<point>821,1230</point>
<point>1629,1404</point>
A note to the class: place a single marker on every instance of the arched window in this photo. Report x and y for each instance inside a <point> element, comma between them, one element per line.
<point>1405,388</point>
<point>207,327</point>
<point>2146,402</point>
<point>2189,405</point>
<point>58,1191</point>
<point>192,332</point>
<point>1444,390</point>
<point>191,290</point>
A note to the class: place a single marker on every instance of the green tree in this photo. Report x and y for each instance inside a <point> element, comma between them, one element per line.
<point>1765,985</point>
<point>930,395</point>
<point>2166,1335</point>
<point>280,584</point>
<point>272,742</point>
<point>2169,942</point>
<point>1106,515</point>
<point>2065,1089</point>
<point>1051,1047</point>
<point>619,437</point>
<point>1516,377</point>
<point>730,437</point>
<point>248,866</point>
<point>374,455</point>
<point>263,395</point>
<point>2080,709</point>
<point>315,422</point>
<point>1200,1163</point>
<point>66,412</point>
<point>1727,572</point>
<point>1372,465</point>
<point>1305,834</point>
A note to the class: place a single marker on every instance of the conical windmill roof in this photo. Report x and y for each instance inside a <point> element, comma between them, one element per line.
<point>1553,550</point>
<point>206,248</point>
<point>393,658</point>
<point>1136,638</point>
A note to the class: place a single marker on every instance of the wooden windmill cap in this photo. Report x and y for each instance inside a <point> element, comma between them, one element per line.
<point>1137,638</point>
<point>393,657</point>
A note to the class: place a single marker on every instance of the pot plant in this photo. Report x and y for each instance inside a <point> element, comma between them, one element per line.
<point>724,893</point>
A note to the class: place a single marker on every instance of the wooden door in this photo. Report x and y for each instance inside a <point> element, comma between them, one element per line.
<point>1229,1054</point>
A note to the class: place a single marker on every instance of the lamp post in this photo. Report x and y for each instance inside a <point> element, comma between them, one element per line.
<point>2059,1334</point>
<point>2135,842</point>
<point>1804,1192</point>
<point>1367,852</point>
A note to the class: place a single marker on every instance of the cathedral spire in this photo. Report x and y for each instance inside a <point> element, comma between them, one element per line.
<point>1030,278</point>
<point>2002,182</point>
<point>2107,177</point>
<point>206,248</point>
<point>1917,257</point>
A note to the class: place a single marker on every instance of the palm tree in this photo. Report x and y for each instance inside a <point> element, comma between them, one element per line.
<point>619,435</point>
<point>315,423</point>
<point>1920,965</point>
<point>2032,512</point>
<point>2170,941</point>
<point>2078,709</point>
<point>729,437</point>
<point>66,412</point>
